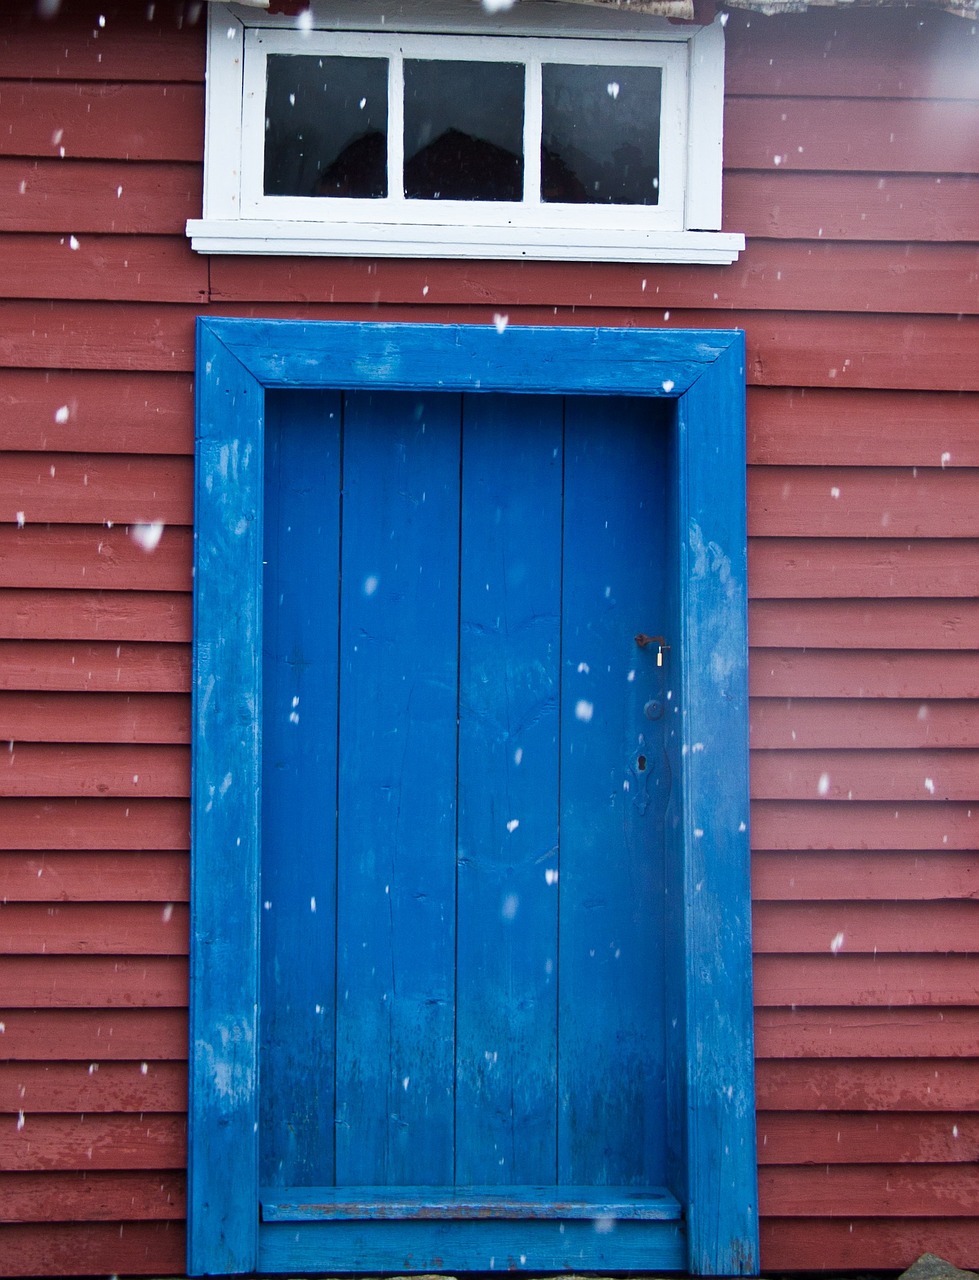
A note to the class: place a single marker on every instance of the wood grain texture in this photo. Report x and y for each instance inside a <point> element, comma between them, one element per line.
<point>30,824</point>
<point>70,556</point>
<point>70,410</point>
<point>878,1190</point>
<point>124,929</point>
<point>808,723</point>
<point>866,1244</point>
<point>95,1035</point>
<point>930,776</point>
<point>65,1087</point>
<point>925,1084</point>
<point>72,876</point>
<point>226,828</point>
<point>302,505</point>
<point>92,1248</point>
<point>869,624</point>
<point>94,1142</point>
<point>137,268</point>
<point>506,1099</point>
<point>106,121</point>
<point>869,928</point>
<point>803,824</point>
<point>94,717</point>
<point>616,532</point>
<point>106,197</point>
<point>399,612</point>
<point>98,1197</point>
<point>907,207</point>
<point>890,875</point>
<point>52,1142</point>
<point>861,980</point>
<point>78,982</point>
<point>394,1247</point>
<point>97,666</point>
<point>816,426</point>
<point>72,488</point>
<point>831,568</point>
<point>26,614</point>
<point>803,673</point>
<point>850,1032</point>
<point>709,602</point>
<point>938,279</point>
<point>852,134</point>
<point>826,1138</point>
<point>69,769</point>
<point>885,502</point>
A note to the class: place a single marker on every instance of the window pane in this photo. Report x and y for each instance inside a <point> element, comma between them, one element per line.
<point>600,137</point>
<point>326,126</point>
<point>463,130</point>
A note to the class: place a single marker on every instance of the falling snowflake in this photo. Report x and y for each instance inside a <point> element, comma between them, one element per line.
<point>147,536</point>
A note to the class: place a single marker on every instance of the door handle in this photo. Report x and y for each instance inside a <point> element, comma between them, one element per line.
<point>644,641</point>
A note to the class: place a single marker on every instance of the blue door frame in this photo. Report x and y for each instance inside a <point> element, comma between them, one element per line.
<point>709,1061</point>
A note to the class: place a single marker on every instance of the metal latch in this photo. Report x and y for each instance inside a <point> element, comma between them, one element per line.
<point>644,641</point>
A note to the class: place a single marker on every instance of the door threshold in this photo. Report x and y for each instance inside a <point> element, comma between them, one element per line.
<point>598,1204</point>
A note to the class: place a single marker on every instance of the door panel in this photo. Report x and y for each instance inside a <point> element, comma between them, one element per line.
<point>509,767</point>
<point>302,542</point>
<point>462,869</point>
<point>399,613</point>
<point>614,784</point>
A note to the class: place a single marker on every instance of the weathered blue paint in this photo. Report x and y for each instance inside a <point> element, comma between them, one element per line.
<point>396,803</point>
<point>290,353</point>
<point>506,1029</point>
<point>614,786</point>
<point>710,1161</point>
<point>518,1203</point>
<point>223,1101</point>
<point>433,1246</point>
<point>718,1106</point>
<point>299,782</point>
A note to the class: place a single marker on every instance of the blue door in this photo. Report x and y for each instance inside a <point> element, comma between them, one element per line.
<point>470,957</point>
<point>464,791</point>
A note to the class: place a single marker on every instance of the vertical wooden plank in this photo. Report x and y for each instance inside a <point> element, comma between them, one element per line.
<point>720,1136</point>
<point>615,783</point>
<point>223,1209</point>
<point>396,858</point>
<point>299,780</point>
<point>506,1057</point>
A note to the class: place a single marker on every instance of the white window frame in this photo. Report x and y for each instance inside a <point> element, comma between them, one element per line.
<point>238,217</point>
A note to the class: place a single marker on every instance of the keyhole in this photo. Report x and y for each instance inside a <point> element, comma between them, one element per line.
<point>641,764</point>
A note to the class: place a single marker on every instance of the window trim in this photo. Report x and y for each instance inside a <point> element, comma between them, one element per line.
<point>395,208</point>
<point>239,218</point>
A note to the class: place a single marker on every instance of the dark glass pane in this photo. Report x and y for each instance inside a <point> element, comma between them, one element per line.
<point>600,136</point>
<point>326,126</point>
<point>463,130</point>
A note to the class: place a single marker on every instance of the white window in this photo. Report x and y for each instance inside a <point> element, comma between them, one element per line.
<point>405,129</point>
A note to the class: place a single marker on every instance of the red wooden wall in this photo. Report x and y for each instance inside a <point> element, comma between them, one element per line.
<point>853,166</point>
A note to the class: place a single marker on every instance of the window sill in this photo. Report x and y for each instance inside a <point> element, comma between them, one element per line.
<point>361,239</point>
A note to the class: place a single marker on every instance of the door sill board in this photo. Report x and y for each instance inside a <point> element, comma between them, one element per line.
<point>307,1204</point>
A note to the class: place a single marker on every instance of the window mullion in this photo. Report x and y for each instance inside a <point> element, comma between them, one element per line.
<point>532,117</point>
<point>396,127</point>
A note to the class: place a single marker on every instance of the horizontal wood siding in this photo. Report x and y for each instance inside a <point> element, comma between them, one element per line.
<point>855,175</point>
